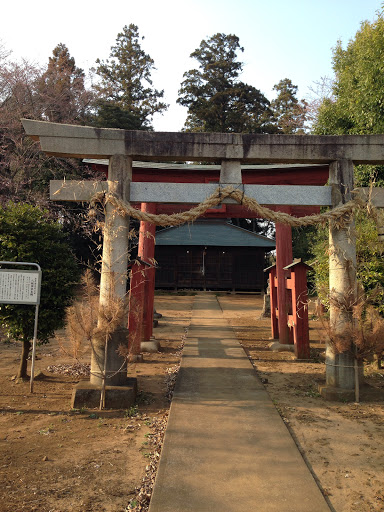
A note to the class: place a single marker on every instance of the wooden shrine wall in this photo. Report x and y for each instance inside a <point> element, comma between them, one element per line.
<point>210,268</point>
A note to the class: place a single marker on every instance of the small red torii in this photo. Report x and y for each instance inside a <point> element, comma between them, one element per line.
<point>294,287</point>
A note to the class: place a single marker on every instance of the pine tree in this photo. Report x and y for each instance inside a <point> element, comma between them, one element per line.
<point>217,100</point>
<point>127,98</point>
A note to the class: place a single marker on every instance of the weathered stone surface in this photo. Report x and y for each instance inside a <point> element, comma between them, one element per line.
<point>86,394</point>
<point>192,193</point>
<point>230,172</point>
<point>342,277</point>
<point>336,394</point>
<point>88,142</point>
<point>113,281</point>
<point>75,190</point>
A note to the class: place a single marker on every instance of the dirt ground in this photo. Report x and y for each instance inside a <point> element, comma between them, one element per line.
<point>53,459</point>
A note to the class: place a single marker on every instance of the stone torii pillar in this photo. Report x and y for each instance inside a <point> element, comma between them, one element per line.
<point>340,373</point>
<point>113,283</point>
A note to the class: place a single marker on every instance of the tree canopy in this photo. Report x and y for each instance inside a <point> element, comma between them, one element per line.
<point>289,112</point>
<point>54,93</point>
<point>217,100</point>
<point>27,234</point>
<point>127,98</point>
<point>357,105</point>
<point>61,89</point>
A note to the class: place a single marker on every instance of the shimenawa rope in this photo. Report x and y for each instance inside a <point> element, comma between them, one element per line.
<point>339,216</point>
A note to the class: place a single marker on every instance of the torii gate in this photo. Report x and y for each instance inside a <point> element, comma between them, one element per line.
<point>142,289</point>
<point>232,150</point>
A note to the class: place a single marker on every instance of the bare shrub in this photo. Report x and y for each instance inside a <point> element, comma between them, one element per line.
<point>81,319</point>
<point>363,336</point>
<point>89,324</point>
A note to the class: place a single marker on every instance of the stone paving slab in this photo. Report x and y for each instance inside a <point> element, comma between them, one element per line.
<point>226,448</point>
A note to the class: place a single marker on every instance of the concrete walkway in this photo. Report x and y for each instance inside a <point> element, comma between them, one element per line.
<point>226,449</point>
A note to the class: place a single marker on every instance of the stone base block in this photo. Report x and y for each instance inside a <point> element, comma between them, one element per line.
<point>336,394</point>
<point>150,346</point>
<point>86,394</point>
<point>367,393</point>
<point>275,346</point>
<point>266,312</point>
<point>135,358</point>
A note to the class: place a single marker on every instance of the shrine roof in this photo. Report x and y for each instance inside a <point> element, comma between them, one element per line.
<point>213,232</point>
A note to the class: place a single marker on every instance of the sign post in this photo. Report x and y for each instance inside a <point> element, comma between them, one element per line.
<point>22,287</point>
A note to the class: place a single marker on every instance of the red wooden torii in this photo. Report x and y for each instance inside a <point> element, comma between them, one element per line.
<point>143,273</point>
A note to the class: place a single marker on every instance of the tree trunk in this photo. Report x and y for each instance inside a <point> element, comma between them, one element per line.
<point>22,374</point>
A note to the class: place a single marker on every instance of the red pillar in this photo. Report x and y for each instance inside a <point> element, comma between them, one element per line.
<point>135,316</point>
<point>273,302</point>
<point>146,252</point>
<point>298,284</point>
<point>284,257</point>
<point>139,310</point>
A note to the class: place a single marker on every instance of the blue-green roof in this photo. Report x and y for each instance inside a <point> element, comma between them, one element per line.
<point>213,233</point>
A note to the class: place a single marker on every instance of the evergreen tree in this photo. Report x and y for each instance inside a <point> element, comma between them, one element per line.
<point>61,89</point>
<point>28,235</point>
<point>217,100</point>
<point>289,112</point>
<point>127,96</point>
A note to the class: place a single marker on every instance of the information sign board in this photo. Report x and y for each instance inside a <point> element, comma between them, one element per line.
<point>20,286</point>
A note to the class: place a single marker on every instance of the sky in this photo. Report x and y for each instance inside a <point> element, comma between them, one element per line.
<point>281,39</point>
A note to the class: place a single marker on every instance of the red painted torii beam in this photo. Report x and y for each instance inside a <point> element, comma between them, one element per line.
<point>142,294</point>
